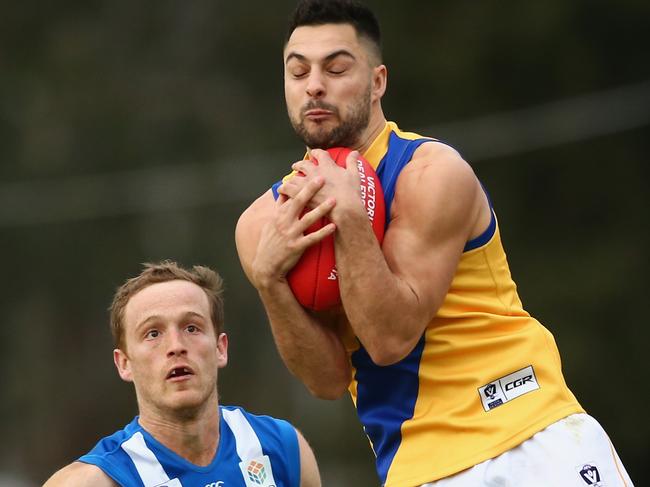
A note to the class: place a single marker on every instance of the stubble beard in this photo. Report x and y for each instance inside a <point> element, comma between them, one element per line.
<point>346,134</point>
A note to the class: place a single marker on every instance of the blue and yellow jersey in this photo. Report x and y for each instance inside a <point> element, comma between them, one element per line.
<point>484,377</point>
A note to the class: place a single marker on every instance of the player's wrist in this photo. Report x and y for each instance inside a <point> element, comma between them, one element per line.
<point>349,214</point>
<point>265,279</point>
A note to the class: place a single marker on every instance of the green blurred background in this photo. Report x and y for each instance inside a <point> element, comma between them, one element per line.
<point>139,131</point>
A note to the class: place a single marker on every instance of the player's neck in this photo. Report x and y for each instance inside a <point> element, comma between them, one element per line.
<point>192,435</point>
<point>375,126</point>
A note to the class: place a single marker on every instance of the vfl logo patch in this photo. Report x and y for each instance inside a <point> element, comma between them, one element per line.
<point>508,387</point>
<point>257,472</point>
<point>591,476</point>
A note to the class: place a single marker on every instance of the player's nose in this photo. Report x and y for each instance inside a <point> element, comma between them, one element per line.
<point>315,84</point>
<point>175,343</point>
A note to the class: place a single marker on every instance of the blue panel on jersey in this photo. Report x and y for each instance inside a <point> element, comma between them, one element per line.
<point>399,153</point>
<point>386,397</point>
<point>274,188</point>
<point>483,238</point>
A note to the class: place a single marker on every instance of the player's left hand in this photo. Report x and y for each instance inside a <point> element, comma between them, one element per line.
<point>283,239</point>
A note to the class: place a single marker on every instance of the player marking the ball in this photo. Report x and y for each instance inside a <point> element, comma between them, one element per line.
<point>451,377</point>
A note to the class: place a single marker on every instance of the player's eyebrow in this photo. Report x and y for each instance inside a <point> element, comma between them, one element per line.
<point>329,57</point>
<point>157,318</point>
<point>147,320</point>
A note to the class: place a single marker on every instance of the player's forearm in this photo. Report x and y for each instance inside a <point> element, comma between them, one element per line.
<point>311,350</point>
<point>382,309</point>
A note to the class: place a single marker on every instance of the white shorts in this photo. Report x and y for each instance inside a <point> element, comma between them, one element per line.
<point>573,452</point>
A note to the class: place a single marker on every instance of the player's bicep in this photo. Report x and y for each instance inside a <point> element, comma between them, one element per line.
<point>433,213</point>
<point>249,227</point>
<point>423,262</point>
<point>309,474</point>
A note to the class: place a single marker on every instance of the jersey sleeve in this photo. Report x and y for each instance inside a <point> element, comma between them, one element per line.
<point>104,455</point>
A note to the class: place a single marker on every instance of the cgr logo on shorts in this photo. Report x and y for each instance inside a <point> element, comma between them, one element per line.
<point>590,475</point>
<point>218,483</point>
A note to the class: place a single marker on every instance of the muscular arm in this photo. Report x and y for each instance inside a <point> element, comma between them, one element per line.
<point>80,475</point>
<point>269,242</point>
<point>390,294</point>
<point>309,474</point>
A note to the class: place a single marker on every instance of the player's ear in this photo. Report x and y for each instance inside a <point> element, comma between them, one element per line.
<point>379,80</point>
<point>222,349</point>
<point>123,365</point>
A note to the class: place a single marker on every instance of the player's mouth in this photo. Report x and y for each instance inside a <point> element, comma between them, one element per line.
<point>180,373</point>
<point>318,114</point>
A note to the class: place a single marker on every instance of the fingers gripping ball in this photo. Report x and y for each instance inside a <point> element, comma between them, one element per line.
<point>314,280</point>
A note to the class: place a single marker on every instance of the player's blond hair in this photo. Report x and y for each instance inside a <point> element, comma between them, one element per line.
<point>204,277</point>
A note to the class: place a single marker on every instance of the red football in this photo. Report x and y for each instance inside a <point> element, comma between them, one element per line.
<point>314,279</point>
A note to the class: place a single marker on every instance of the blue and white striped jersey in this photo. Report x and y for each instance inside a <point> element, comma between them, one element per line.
<point>253,451</point>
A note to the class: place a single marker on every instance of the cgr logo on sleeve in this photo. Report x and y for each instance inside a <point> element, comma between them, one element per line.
<point>507,388</point>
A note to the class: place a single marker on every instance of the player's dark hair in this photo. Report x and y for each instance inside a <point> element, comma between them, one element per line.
<point>204,277</point>
<point>321,12</point>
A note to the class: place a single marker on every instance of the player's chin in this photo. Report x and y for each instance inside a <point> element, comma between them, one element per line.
<point>185,405</point>
<point>186,397</point>
<point>320,127</point>
<point>320,140</point>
